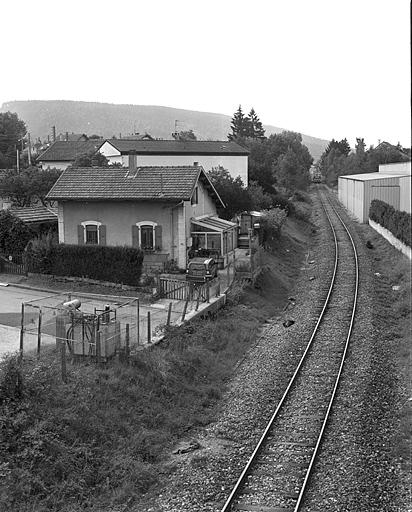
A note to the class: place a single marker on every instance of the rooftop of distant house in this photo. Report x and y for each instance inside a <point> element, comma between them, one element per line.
<point>195,147</point>
<point>68,151</point>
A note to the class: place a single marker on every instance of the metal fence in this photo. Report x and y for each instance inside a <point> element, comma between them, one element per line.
<point>12,264</point>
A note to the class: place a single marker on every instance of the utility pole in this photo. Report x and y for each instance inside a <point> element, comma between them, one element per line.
<point>29,149</point>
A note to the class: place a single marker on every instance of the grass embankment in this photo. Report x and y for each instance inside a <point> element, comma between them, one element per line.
<point>101,438</point>
<point>393,322</point>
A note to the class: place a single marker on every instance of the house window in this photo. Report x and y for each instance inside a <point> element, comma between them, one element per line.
<point>148,235</point>
<point>92,235</point>
<point>147,238</point>
<point>92,232</point>
<point>195,198</point>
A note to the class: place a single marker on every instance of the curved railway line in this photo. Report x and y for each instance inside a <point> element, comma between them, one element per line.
<point>278,471</point>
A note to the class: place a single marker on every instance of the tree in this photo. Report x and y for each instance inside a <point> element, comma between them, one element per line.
<point>185,135</point>
<point>14,234</point>
<point>232,192</point>
<point>91,159</point>
<point>29,186</point>
<point>260,200</point>
<point>261,162</point>
<point>291,173</point>
<point>254,127</point>
<point>239,125</point>
<point>12,130</point>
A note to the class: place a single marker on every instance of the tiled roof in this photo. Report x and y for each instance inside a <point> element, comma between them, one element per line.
<point>68,151</point>
<point>36,213</point>
<point>72,136</point>
<point>145,183</point>
<point>196,147</point>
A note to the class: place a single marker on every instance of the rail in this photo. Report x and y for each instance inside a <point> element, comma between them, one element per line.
<point>236,491</point>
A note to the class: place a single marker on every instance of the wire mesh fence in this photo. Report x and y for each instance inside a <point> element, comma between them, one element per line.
<point>100,327</point>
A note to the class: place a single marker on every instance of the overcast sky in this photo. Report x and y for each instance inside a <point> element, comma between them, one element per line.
<point>327,68</point>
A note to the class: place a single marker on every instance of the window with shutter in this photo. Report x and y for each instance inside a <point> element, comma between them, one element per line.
<point>94,233</point>
<point>92,236</point>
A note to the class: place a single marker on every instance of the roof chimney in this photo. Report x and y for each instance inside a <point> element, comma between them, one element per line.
<point>67,136</point>
<point>132,161</point>
<point>53,134</point>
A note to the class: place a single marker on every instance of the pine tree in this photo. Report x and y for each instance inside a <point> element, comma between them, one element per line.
<point>238,125</point>
<point>255,128</point>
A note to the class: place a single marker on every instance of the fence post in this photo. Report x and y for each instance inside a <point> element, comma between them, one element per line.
<point>185,309</point>
<point>149,328</point>
<point>198,297</point>
<point>169,314</point>
<point>63,360</point>
<point>39,333</point>
<point>98,348</point>
<point>138,322</point>
<point>127,342</point>
<point>21,330</point>
<point>207,291</point>
<point>218,287</point>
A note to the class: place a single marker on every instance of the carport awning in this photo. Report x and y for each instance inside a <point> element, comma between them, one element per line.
<point>214,224</point>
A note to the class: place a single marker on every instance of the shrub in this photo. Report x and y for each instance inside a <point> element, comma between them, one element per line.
<point>14,234</point>
<point>114,264</point>
<point>398,223</point>
<point>272,222</point>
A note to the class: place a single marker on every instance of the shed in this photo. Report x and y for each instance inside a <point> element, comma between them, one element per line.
<point>357,191</point>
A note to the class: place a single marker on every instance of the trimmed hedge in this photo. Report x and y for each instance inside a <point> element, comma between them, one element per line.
<point>398,223</point>
<point>103,263</point>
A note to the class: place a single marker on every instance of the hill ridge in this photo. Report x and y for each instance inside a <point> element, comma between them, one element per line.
<point>108,119</point>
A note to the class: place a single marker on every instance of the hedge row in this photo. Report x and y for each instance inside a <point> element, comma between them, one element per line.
<point>398,223</point>
<point>114,264</point>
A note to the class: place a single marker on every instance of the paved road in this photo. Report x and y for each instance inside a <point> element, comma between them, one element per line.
<point>10,307</point>
<point>11,298</point>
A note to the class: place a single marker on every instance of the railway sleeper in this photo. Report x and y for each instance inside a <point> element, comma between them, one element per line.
<point>260,508</point>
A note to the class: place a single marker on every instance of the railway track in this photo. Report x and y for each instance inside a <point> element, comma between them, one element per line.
<point>278,471</point>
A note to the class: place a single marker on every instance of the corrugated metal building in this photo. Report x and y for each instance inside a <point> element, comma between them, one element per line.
<point>392,184</point>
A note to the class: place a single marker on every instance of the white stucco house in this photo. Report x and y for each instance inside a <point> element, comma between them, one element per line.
<point>208,154</point>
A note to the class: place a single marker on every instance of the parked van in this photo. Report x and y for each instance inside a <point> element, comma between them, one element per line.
<point>201,269</point>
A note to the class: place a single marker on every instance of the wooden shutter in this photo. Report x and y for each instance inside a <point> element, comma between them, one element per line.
<point>80,234</point>
<point>102,235</point>
<point>158,238</point>
<point>135,236</point>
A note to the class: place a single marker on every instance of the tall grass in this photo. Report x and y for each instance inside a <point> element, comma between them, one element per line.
<point>100,439</point>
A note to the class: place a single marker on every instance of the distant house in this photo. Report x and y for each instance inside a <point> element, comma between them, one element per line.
<point>72,137</point>
<point>39,217</point>
<point>166,211</point>
<point>61,154</point>
<point>208,154</point>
